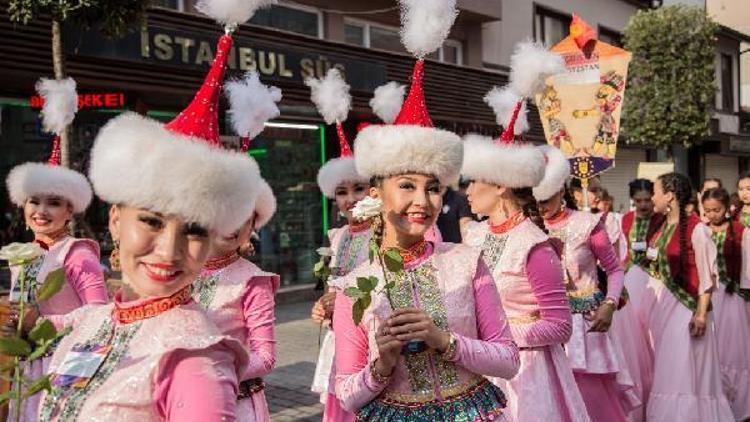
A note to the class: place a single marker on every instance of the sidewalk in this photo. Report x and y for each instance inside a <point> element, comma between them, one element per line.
<point>288,387</point>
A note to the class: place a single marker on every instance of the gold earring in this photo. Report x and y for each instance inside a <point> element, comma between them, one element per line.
<point>114,257</point>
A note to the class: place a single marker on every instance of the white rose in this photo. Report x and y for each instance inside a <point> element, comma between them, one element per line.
<point>20,253</point>
<point>367,208</point>
<point>324,251</point>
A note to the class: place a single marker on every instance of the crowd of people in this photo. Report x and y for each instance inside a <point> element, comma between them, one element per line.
<point>543,311</point>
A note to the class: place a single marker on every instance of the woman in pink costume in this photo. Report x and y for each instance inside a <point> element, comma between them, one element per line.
<point>428,338</point>
<point>154,354</point>
<point>526,269</point>
<point>594,352</point>
<point>675,308</point>
<point>731,301</point>
<point>239,298</point>
<point>50,195</point>
<point>338,180</point>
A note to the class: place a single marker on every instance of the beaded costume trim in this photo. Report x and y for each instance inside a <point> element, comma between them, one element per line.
<point>151,308</point>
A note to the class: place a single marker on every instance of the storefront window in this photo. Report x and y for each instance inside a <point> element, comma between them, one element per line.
<point>169,4</point>
<point>550,27</point>
<point>293,19</point>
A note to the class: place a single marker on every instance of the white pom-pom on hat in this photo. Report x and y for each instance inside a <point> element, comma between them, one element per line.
<point>425,24</point>
<point>556,173</point>
<point>231,12</point>
<point>251,104</point>
<point>60,103</point>
<point>387,101</point>
<point>509,165</point>
<point>503,102</point>
<point>531,63</point>
<point>331,96</point>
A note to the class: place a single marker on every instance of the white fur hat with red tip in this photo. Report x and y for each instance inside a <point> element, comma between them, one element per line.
<point>511,162</point>
<point>181,168</point>
<point>265,205</point>
<point>29,179</point>
<point>412,143</point>
<point>556,173</point>
<point>333,100</point>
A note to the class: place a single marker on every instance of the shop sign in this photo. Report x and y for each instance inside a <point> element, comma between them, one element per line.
<point>182,49</point>
<point>93,100</point>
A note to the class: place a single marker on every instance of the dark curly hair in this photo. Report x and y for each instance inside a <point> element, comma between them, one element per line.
<point>638,185</point>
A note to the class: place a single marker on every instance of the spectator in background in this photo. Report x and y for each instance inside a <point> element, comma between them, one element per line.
<point>708,183</point>
<point>454,216</point>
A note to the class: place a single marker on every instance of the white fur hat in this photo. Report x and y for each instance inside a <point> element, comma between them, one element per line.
<point>556,173</point>
<point>138,162</point>
<point>265,205</point>
<point>338,171</point>
<point>510,165</point>
<point>31,179</point>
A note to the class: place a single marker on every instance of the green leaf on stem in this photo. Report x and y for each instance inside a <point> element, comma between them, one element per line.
<point>374,250</point>
<point>367,284</point>
<point>7,396</point>
<point>52,284</point>
<point>43,331</point>
<point>359,307</point>
<point>354,293</point>
<point>14,346</point>
<point>37,386</point>
<point>393,260</point>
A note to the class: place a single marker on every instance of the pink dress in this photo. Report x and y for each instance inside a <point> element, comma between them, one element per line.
<point>527,272</point>
<point>239,300</point>
<point>596,358</point>
<point>687,380</point>
<point>172,365</point>
<point>452,284</point>
<point>84,284</point>
<point>350,249</point>
<point>732,315</point>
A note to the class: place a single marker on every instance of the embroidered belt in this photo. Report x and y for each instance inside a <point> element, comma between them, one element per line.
<point>585,303</point>
<point>250,387</point>
<point>483,401</point>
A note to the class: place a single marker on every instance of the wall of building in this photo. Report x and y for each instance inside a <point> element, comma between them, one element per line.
<point>736,15</point>
<point>518,22</point>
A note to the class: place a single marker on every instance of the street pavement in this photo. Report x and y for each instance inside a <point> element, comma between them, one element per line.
<point>288,386</point>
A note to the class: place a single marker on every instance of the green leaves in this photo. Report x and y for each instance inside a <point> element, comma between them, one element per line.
<point>393,260</point>
<point>14,346</point>
<point>43,331</point>
<point>671,80</point>
<point>37,386</point>
<point>7,396</point>
<point>362,295</point>
<point>374,250</point>
<point>367,284</point>
<point>52,284</point>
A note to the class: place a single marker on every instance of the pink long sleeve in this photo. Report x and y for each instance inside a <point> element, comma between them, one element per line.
<point>745,274</point>
<point>197,386</point>
<point>84,273</point>
<point>605,253</point>
<point>494,353</point>
<point>705,258</point>
<point>355,385</point>
<point>545,275</point>
<point>258,310</point>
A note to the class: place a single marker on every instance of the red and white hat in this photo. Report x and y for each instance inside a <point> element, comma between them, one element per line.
<point>509,161</point>
<point>412,143</point>
<point>556,173</point>
<point>265,205</point>
<point>180,168</point>
<point>333,100</point>
<point>29,179</point>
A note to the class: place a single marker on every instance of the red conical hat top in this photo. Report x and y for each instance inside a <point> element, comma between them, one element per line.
<point>509,135</point>
<point>201,118</point>
<point>414,111</point>
<point>54,157</point>
<point>346,150</point>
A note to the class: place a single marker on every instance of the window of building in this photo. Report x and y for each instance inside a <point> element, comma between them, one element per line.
<point>170,4</point>
<point>302,20</point>
<point>371,35</point>
<point>610,36</point>
<point>550,27</point>
<point>727,82</point>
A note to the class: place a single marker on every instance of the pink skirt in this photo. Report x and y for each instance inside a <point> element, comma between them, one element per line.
<point>253,408</point>
<point>732,316</point>
<point>544,389</point>
<point>30,410</point>
<point>687,381</point>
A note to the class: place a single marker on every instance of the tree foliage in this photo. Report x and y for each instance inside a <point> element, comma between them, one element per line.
<point>112,17</point>
<point>671,87</point>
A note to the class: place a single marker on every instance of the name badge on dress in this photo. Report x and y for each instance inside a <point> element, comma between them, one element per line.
<point>652,253</point>
<point>16,294</point>
<point>79,365</point>
<point>640,246</point>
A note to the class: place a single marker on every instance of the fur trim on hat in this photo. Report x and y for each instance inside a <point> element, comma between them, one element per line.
<point>389,150</point>
<point>31,179</point>
<point>265,205</point>
<point>335,172</point>
<point>512,165</point>
<point>138,162</point>
<point>556,173</point>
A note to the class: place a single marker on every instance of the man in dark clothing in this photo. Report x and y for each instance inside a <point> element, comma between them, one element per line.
<point>454,215</point>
